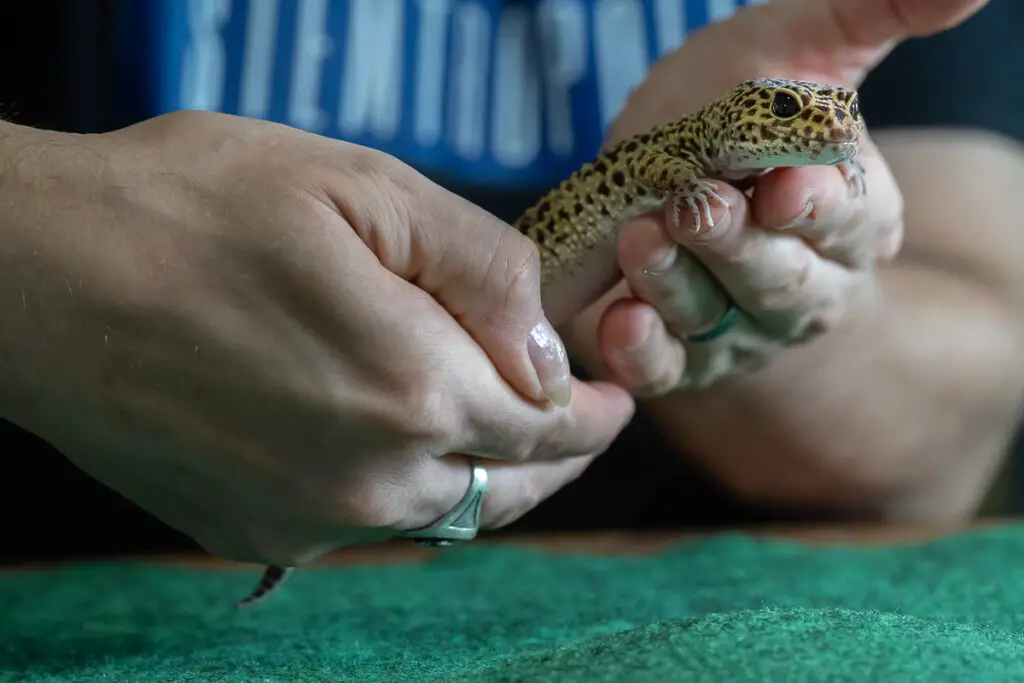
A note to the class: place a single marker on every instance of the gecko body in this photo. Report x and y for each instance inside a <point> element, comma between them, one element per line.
<point>758,125</point>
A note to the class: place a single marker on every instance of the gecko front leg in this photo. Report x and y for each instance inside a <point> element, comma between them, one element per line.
<point>680,180</point>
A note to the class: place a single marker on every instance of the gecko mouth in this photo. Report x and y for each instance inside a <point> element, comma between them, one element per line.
<point>796,151</point>
<point>832,151</point>
<point>843,148</point>
<point>832,143</point>
<point>835,144</point>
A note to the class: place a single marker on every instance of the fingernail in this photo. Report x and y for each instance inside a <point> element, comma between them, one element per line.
<point>802,220</point>
<point>662,262</point>
<point>551,362</point>
<point>631,356</point>
<point>641,340</point>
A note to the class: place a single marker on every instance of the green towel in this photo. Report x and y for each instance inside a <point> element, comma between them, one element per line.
<point>727,609</point>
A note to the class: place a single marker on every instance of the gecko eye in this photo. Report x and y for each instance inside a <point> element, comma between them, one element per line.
<point>855,110</point>
<point>784,105</point>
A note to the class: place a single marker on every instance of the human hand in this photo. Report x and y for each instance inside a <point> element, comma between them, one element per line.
<point>797,254</point>
<point>276,342</point>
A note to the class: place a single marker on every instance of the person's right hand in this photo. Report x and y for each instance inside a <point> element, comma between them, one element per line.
<point>276,342</point>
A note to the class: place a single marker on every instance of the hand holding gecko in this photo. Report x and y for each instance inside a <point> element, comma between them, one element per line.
<point>797,254</point>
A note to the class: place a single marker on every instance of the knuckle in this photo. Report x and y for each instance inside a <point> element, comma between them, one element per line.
<point>186,120</point>
<point>822,321</point>
<point>553,435</point>
<point>744,355</point>
<point>787,292</point>
<point>652,373</point>
<point>703,378</point>
<point>557,441</point>
<point>654,386</point>
<point>571,435</point>
<point>388,176</point>
<point>393,192</point>
<point>517,439</point>
<point>372,494</point>
<point>522,261</point>
<point>520,450</point>
<point>515,269</point>
<point>366,504</point>
<point>428,413</point>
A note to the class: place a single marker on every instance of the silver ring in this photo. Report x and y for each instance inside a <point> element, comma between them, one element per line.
<point>723,325</point>
<point>462,522</point>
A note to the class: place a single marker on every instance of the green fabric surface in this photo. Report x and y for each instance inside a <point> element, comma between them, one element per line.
<point>731,608</point>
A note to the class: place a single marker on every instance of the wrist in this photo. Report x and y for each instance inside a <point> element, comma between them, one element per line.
<point>42,193</point>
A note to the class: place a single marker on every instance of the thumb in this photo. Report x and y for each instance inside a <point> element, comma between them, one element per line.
<point>851,36</point>
<point>871,23</point>
<point>485,274</point>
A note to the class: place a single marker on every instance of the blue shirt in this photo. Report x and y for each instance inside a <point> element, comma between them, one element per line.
<point>502,93</point>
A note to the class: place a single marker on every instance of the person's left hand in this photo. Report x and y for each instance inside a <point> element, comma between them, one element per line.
<point>797,253</point>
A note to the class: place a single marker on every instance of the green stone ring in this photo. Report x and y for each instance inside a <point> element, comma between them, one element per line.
<point>723,325</point>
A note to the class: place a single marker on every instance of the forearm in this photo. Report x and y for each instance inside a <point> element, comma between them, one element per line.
<point>907,409</point>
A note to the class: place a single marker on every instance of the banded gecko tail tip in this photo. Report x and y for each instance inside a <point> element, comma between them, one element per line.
<point>271,580</point>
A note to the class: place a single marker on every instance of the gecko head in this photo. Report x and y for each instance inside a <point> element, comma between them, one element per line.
<point>771,123</point>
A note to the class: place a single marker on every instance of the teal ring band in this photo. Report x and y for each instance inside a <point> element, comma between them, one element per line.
<point>723,325</point>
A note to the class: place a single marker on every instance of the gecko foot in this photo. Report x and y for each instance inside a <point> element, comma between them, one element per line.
<point>853,174</point>
<point>698,200</point>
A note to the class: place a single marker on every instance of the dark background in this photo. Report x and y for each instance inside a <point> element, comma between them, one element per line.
<point>55,62</point>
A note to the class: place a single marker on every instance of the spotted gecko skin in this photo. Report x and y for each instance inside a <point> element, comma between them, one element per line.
<point>758,125</point>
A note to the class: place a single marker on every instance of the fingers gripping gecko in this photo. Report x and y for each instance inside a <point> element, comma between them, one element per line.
<point>758,125</point>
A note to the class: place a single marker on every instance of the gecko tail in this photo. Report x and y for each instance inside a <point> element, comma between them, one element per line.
<point>272,579</point>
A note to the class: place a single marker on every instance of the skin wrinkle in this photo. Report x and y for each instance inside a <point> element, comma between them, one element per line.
<point>379,241</point>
